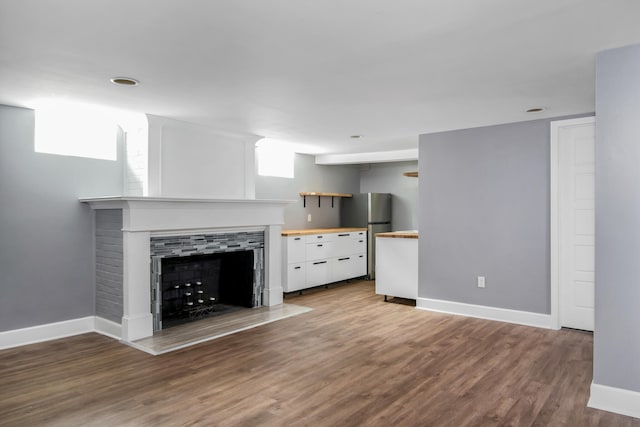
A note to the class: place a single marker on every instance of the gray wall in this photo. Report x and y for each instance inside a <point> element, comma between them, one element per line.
<point>46,235</point>
<point>310,177</point>
<point>617,268</point>
<point>484,211</point>
<point>388,178</point>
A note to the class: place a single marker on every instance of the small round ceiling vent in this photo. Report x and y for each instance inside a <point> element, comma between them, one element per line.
<point>124,81</point>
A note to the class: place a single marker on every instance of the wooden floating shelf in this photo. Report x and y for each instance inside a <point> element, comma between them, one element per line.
<point>320,194</point>
<point>411,174</point>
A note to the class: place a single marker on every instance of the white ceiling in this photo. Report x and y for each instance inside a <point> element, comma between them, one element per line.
<point>314,72</point>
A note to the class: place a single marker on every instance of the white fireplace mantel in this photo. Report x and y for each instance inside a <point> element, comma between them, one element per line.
<point>143,217</point>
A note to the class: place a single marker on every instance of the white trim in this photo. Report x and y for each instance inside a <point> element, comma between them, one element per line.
<point>137,326</point>
<point>250,170</point>
<point>57,330</point>
<point>485,312</point>
<point>214,230</point>
<point>372,157</point>
<point>46,332</point>
<point>617,400</point>
<point>554,213</point>
<point>108,328</point>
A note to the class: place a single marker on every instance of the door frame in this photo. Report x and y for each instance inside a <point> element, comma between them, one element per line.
<point>556,126</point>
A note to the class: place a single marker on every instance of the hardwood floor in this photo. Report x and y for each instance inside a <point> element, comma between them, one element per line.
<point>354,360</point>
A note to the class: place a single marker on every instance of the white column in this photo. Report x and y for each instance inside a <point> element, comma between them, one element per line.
<point>137,321</point>
<point>154,161</point>
<point>250,170</point>
<point>273,268</point>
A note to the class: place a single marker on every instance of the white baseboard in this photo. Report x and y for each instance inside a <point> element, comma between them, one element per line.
<point>49,331</point>
<point>108,328</point>
<point>137,326</point>
<point>273,296</point>
<point>485,312</point>
<point>617,400</point>
<point>53,331</point>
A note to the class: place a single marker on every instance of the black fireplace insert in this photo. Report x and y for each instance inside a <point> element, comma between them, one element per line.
<point>199,286</point>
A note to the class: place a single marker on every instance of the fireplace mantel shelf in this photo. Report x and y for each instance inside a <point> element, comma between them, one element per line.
<point>110,201</point>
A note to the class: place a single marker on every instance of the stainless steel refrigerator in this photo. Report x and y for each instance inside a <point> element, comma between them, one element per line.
<point>371,211</point>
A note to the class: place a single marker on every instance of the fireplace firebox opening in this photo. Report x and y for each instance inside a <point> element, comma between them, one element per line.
<point>199,286</point>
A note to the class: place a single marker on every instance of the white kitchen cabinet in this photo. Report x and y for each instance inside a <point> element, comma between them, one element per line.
<point>296,276</point>
<point>318,272</point>
<point>397,264</point>
<point>319,250</point>
<point>317,258</point>
<point>345,267</point>
<point>294,248</point>
<point>346,244</point>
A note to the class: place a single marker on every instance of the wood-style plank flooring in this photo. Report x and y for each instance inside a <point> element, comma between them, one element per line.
<point>352,361</point>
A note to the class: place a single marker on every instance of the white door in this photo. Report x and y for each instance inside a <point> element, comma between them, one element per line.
<point>575,150</point>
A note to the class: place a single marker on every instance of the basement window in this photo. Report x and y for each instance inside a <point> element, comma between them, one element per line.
<point>76,130</point>
<point>275,158</point>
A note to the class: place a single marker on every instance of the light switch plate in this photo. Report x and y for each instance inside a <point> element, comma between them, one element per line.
<point>481,281</point>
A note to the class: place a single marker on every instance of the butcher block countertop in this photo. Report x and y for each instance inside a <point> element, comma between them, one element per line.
<point>399,234</point>
<point>320,231</point>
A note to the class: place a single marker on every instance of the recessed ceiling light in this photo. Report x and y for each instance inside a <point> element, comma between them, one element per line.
<point>535,110</point>
<point>355,136</point>
<point>124,81</point>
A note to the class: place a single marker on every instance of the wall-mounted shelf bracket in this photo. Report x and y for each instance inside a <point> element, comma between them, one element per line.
<point>304,195</point>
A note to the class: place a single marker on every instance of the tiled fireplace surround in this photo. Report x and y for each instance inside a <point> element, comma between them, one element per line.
<point>130,223</point>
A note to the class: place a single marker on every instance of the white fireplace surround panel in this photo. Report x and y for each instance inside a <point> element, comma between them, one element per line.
<point>143,217</point>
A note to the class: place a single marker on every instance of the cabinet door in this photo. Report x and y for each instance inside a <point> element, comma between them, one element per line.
<point>397,269</point>
<point>342,268</point>
<point>358,245</point>
<point>318,273</point>
<point>360,265</point>
<point>319,250</point>
<point>343,244</point>
<point>294,249</point>
<point>349,267</point>
<point>296,277</point>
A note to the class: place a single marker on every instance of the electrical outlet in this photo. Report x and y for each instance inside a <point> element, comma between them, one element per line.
<point>481,281</point>
<point>308,217</point>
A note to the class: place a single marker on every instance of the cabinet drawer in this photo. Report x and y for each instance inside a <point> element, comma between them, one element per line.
<point>315,238</point>
<point>349,243</point>
<point>294,249</point>
<point>343,244</point>
<point>348,267</point>
<point>342,268</point>
<point>319,250</point>
<point>318,272</point>
<point>359,245</point>
<point>296,277</point>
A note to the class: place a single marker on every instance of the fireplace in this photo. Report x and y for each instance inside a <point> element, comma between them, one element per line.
<point>205,275</point>
<point>125,228</point>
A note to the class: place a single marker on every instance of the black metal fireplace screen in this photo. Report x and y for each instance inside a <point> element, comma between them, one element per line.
<point>193,287</point>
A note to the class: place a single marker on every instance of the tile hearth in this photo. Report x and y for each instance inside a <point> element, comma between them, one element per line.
<point>203,330</point>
